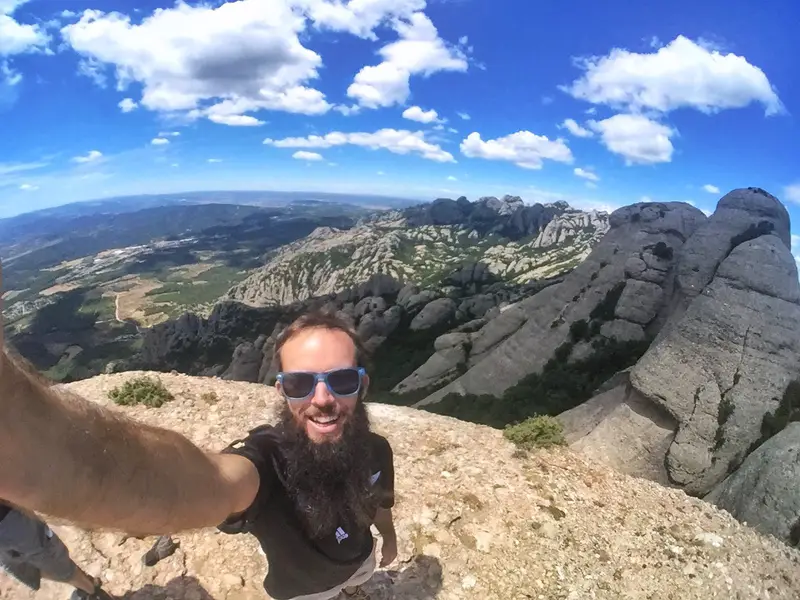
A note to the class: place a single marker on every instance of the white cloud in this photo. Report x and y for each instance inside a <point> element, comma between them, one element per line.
<point>684,73</point>
<point>244,56</point>
<point>646,199</point>
<point>380,173</point>
<point>419,51</point>
<point>127,105</point>
<point>572,126</point>
<point>463,40</point>
<point>27,187</point>
<point>92,156</point>
<point>306,155</point>
<point>452,130</point>
<point>635,137</point>
<point>12,168</point>
<point>792,193</point>
<point>396,141</point>
<point>68,14</point>
<point>235,120</point>
<point>591,110</point>
<point>94,70</point>
<point>586,174</point>
<point>464,116</point>
<point>547,100</point>
<point>707,212</point>
<point>711,189</point>
<point>358,17</point>
<point>451,178</point>
<point>523,148</point>
<point>415,113</point>
<point>347,111</point>
<point>169,133</point>
<point>159,141</point>
<point>18,38</point>
<point>214,160</point>
<point>9,76</point>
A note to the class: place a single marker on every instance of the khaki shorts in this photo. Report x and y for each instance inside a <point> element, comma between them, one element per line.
<point>28,548</point>
<point>360,577</point>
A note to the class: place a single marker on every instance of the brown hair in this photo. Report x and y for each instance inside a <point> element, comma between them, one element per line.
<point>321,319</point>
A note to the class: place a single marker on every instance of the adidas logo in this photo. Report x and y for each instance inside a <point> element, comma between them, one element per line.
<point>341,535</point>
<point>374,477</point>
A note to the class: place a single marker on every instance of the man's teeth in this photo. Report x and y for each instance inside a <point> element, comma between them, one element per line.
<point>324,420</point>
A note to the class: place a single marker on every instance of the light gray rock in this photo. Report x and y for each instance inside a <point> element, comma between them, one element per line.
<point>530,339</point>
<point>623,429</point>
<point>245,363</point>
<point>735,343</point>
<point>379,323</point>
<point>434,314</point>
<point>442,366</point>
<point>448,340</point>
<point>634,267</point>
<point>764,490</point>
<point>640,301</point>
<point>478,305</point>
<point>415,302</point>
<point>622,331</point>
<point>472,326</point>
<point>406,292</point>
<point>370,304</point>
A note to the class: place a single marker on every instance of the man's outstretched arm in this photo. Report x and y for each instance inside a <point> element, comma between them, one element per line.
<point>70,458</point>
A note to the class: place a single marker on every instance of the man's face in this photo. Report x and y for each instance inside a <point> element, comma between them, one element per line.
<point>323,416</point>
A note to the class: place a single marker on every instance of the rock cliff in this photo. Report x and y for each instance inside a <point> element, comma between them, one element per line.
<point>475,520</point>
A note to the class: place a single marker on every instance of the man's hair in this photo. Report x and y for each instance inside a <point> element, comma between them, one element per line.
<point>321,319</point>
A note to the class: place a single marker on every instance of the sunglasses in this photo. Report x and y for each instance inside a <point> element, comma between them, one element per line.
<point>298,386</point>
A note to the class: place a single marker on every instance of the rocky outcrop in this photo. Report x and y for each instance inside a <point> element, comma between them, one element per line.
<point>726,354</point>
<point>435,314</point>
<point>423,245</point>
<point>472,520</point>
<point>763,492</point>
<point>521,342</point>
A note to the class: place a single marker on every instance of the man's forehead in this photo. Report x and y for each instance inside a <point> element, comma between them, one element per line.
<point>315,344</point>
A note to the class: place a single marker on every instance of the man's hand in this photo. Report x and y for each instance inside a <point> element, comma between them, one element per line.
<point>388,550</point>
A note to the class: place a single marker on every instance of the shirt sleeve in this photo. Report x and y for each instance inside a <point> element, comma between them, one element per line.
<point>257,447</point>
<point>386,480</point>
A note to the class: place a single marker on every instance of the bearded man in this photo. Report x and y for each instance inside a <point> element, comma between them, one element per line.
<point>308,489</point>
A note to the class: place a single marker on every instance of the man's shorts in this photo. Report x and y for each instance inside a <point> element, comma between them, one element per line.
<point>28,548</point>
<point>360,577</point>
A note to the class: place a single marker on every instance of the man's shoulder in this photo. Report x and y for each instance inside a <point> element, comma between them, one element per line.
<point>261,441</point>
<point>379,441</point>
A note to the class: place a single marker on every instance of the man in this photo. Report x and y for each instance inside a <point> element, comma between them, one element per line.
<point>29,550</point>
<point>70,458</point>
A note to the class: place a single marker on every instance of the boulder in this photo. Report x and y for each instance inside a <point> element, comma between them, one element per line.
<point>721,365</point>
<point>442,366</point>
<point>622,331</point>
<point>477,306</point>
<point>380,323</point>
<point>448,340</point>
<point>246,361</point>
<point>415,302</point>
<point>639,302</point>
<point>406,292</point>
<point>434,314</point>
<point>369,304</point>
<point>763,491</point>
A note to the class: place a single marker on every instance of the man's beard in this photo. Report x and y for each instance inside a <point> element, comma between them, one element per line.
<point>330,482</point>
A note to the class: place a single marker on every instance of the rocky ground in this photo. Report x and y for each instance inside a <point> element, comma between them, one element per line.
<point>474,519</point>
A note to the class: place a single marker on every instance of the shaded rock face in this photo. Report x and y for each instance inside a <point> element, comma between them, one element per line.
<point>518,343</point>
<point>726,361</point>
<point>729,346</point>
<point>472,521</point>
<point>763,492</point>
<point>434,314</point>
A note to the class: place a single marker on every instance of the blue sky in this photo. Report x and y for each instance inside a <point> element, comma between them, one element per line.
<point>598,103</point>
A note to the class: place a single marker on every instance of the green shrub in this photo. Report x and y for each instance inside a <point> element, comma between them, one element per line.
<point>541,431</point>
<point>141,390</point>
<point>209,397</point>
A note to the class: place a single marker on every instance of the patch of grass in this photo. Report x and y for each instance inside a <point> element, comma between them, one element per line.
<point>209,397</point>
<point>148,391</point>
<point>541,431</point>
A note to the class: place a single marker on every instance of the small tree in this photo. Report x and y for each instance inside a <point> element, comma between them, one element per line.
<point>541,431</point>
<point>148,391</point>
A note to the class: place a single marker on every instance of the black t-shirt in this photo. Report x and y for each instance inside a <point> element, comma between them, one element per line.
<point>298,564</point>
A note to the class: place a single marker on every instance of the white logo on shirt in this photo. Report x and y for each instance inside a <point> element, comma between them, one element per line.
<point>341,535</point>
<point>374,478</point>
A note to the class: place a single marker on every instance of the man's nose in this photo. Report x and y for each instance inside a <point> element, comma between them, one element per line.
<point>322,395</point>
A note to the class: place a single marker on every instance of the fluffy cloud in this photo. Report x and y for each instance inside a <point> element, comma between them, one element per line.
<point>27,187</point>
<point>464,116</point>
<point>68,14</point>
<point>244,57</point>
<point>792,193</point>
<point>159,141</point>
<point>523,148</point>
<point>126,105</point>
<point>684,73</point>
<point>214,160</point>
<point>347,110</point>
<point>586,174</point>
<point>235,120</point>
<point>636,138</point>
<point>394,140</point>
<point>306,155</point>
<point>572,126</point>
<point>92,156</point>
<point>711,189</point>
<point>358,17</point>
<point>15,37</point>
<point>419,51</point>
<point>415,113</point>
<point>169,133</point>
<point>451,178</point>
